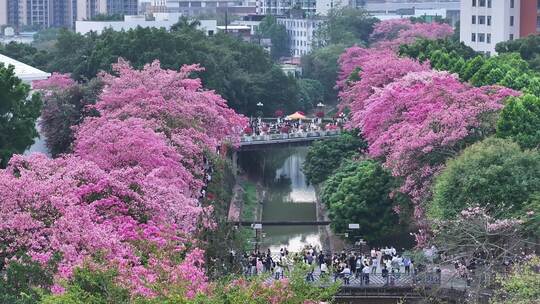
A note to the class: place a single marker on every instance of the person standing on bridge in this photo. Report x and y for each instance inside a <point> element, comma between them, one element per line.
<point>346,273</point>
<point>366,270</point>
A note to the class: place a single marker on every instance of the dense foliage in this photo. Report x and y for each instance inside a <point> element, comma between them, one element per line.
<point>520,121</point>
<point>527,47</point>
<point>65,108</point>
<point>359,192</point>
<point>324,157</point>
<point>494,174</point>
<point>18,114</point>
<point>390,34</point>
<point>522,286</point>
<point>277,33</point>
<point>99,287</point>
<point>509,70</point>
<point>345,25</point>
<point>126,199</point>
<point>243,73</point>
<point>322,64</point>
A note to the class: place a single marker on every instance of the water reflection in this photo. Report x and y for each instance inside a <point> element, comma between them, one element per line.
<point>288,197</point>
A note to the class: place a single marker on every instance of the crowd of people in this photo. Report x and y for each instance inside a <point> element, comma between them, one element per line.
<point>282,126</point>
<point>384,262</point>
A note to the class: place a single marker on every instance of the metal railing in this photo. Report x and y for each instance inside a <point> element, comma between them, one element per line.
<point>307,135</point>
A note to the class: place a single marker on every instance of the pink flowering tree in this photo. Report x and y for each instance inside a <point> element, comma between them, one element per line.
<point>390,34</point>
<point>127,198</point>
<point>57,81</point>
<point>417,122</point>
<point>363,71</point>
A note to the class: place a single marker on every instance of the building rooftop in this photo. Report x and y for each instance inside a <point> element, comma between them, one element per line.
<point>24,71</point>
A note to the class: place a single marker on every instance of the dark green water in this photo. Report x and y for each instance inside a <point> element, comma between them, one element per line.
<point>287,196</point>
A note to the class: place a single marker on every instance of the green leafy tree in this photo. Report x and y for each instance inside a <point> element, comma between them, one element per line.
<point>310,92</point>
<point>520,121</point>
<point>25,281</point>
<point>345,26</point>
<point>495,174</point>
<point>528,47</point>
<point>325,156</point>
<point>321,64</point>
<point>243,73</point>
<point>90,286</point>
<point>359,192</point>
<point>18,115</point>
<point>423,49</point>
<point>277,33</point>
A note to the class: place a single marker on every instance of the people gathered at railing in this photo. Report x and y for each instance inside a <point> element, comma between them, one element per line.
<point>259,126</point>
<point>386,263</point>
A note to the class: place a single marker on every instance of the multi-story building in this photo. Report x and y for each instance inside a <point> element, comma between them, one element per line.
<point>484,23</point>
<point>301,33</point>
<point>59,13</point>
<point>388,9</point>
<point>201,7</point>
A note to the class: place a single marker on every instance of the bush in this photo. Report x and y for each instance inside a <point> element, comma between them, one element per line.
<point>495,174</point>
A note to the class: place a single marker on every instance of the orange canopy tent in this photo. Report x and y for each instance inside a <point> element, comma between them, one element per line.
<point>296,116</point>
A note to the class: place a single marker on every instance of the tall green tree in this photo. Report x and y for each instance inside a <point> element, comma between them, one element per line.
<point>324,157</point>
<point>310,92</point>
<point>359,193</point>
<point>18,114</point>
<point>322,65</point>
<point>494,173</point>
<point>345,26</point>
<point>277,33</point>
<point>528,47</point>
<point>520,121</point>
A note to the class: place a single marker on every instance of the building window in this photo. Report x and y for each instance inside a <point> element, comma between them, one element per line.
<point>482,3</point>
<point>511,37</point>
<point>488,38</point>
<point>488,20</point>
<point>489,3</point>
<point>473,2</point>
<point>481,19</point>
<point>481,37</point>
<point>511,3</point>
<point>511,20</point>
<point>473,19</point>
<point>473,37</point>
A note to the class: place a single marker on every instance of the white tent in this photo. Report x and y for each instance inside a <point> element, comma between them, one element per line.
<point>25,72</point>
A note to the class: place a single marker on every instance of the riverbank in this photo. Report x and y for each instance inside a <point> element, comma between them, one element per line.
<point>329,240</point>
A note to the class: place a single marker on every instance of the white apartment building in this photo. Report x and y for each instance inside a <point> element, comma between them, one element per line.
<point>301,33</point>
<point>484,23</point>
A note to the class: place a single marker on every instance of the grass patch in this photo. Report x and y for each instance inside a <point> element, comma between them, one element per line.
<point>248,212</point>
<point>250,201</point>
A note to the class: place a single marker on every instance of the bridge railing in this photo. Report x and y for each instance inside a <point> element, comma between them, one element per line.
<point>285,136</point>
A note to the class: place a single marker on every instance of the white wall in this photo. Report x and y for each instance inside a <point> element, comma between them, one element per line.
<point>500,29</point>
<point>3,12</point>
<point>301,32</point>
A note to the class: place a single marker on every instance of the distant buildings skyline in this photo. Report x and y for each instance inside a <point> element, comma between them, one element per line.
<point>59,13</point>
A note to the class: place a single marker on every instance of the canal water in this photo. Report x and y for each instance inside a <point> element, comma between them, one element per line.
<point>287,196</point>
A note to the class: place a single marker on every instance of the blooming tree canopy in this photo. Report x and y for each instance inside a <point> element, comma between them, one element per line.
<point>390,34</point>
<point>127,197</point>
<point>418,121</point>
<point>363,71</point>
